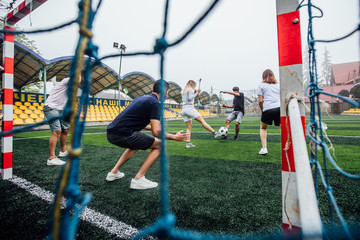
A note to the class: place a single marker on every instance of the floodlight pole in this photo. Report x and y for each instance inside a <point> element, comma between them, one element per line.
<point>198,101</point>
<point>45,79</point>
<point>121,48</point>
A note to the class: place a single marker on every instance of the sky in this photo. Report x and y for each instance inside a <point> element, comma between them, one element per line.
<point>232,47</point>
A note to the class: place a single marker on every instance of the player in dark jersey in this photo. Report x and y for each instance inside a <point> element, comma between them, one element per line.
<point>125,132</point>
<point>238,112</point>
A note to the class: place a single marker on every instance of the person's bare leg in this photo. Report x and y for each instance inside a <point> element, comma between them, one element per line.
<point>124,157</point>
<point>227,124</point>
<point>150,159</point>
<point>237,128</point>
<point>52,143</point>
<point>263,133</point>
<point>63,138</point>
<point>205,125</point>
<point>188,130</point>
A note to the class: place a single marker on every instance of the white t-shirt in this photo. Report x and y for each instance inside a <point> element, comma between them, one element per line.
<point>271,95</point>
<point>188,98</point>
<point>58,96</point>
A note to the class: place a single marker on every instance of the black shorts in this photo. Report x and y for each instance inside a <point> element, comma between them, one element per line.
<point>271,115</point>
<point>136,141</point>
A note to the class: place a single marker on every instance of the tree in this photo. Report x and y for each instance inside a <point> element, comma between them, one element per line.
<point>24,40</point>
<point>7,5</point>
<point>326,71</point>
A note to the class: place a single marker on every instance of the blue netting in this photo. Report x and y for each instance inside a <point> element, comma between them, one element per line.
<point>63,223</point>
<point>315,129</point>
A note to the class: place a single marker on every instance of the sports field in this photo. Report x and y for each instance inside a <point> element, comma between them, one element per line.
<point>219,186</point>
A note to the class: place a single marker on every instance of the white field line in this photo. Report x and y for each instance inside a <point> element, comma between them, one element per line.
<point>102,221</point>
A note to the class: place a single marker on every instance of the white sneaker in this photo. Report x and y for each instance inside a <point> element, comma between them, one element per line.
<point>189,145</point>
<point>63,154</point>
<point>217,134</point>
<point>142,183</point>
<point>111,176</point>
<point>263,151</point>
<point>55,162</point>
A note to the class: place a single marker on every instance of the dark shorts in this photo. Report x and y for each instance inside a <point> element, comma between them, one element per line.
<point>136,141</point>
<point>271,115</point>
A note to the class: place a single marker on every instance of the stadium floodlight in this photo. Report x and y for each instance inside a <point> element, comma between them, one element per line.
<point>121,49</point>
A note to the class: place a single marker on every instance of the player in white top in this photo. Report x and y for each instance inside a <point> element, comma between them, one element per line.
<point>189,112</point>
<point>269,101</point>
<point>54,107</point>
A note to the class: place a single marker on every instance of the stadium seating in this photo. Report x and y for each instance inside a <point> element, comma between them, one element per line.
<point>27,113</point>
<point>353,111</point>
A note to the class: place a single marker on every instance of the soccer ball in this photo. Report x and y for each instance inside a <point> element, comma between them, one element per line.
<point>223,131</point>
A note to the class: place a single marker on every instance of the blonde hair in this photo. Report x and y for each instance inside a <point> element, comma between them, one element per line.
<point>268,77</point>
<point>190,85</point>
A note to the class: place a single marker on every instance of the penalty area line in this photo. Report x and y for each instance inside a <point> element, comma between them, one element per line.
<point>100,220</point>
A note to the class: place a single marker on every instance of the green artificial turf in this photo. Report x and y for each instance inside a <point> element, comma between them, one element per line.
<point>221,187</point>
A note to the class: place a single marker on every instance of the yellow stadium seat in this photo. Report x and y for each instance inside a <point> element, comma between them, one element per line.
<point>18,104</point>
<point>27,111</point>
<point>18,111</point>
<point>18,121</point>
<point>27,104</point>
<point>38,120</point>
<point>22,107</point>
<point>35,104</point>
<point>15,116</point>
<point>40,108</point>
<point>23,116</point>
<point>41,115</point>
<point>29,120</point>
<point>36,111</point>
<point>32,108</point>
<point>33,115</point>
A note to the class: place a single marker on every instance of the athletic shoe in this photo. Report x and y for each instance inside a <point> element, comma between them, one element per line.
<point>189,145</point>
<point>55,162</point>
<point>111,176</point>
<point>223,138</point>
<point>142,184</point>
<point>217,134</point>
<point>236,138</point>
<point>263,151</point>
<point>63,154</point>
